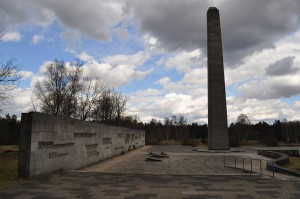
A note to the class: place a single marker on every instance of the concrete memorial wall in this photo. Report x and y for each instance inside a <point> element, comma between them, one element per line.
<point>49,143</point>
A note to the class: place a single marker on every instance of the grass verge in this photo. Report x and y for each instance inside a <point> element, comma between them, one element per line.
<point>8,169</point>
<point>170,142</point>
<point>9,148</point>
<point>293,164</point>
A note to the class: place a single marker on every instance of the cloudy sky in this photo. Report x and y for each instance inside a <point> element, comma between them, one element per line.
<point>154,51</point>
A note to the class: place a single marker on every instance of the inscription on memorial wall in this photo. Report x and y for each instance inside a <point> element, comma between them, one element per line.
<point>92,150</point>
<point>127,138</point>
<point>83,135</point>
<point>92,153</point>
<point>120,135</point>
<point>91,146</point>
<point>56,155</point>
<point>120,147</point>
<point>107,141</point>
<point>45,145</point>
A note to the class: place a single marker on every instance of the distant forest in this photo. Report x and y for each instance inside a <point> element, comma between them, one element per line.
<point>177,129</point>
<point>10,129</point>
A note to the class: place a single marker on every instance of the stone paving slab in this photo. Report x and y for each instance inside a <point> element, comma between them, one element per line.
<point>182,161</point>
<point>185,174</point>
<point>143,186</point>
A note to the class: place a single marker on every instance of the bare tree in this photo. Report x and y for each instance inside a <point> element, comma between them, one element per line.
<point>120,106</point>
<point>243,123</point>
<point>74,86</point>
<point>110,107</point>
<point>167,123</point>
<point>57,92</point>
<point>297,128</point>
<point>87,98</point>
<point>9,77</point>
<point>63,92</point>
<point>285,130</point>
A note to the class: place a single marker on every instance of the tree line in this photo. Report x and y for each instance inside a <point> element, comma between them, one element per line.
<point>177,129</point>
<point>269,134</point>
<point>240,132</point>
<point>9,130</point>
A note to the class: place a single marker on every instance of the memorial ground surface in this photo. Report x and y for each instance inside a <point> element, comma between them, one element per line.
<point>185,174</point>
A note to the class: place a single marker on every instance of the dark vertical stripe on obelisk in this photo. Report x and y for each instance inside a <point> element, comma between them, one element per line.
<point>217,112</point>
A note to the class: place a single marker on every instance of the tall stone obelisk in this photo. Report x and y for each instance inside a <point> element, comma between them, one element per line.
<point>217,111</point>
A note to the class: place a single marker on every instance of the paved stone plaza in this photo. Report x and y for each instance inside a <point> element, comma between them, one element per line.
<point>185,174</point>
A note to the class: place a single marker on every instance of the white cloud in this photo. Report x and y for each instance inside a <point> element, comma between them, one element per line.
<point>20,102</point>
<point>184,61</point>
<point>135,60</point>
<point>193,83</point>
<point>283,49</point>
<point>16,12</point>
<point>297,104</point>
<point>115,75</point>
<point>148,92</point>
<point>246,25</point>
<point>26,74</point>
<point>165,106</point>
<point>270,88</point>
<point>43,67</point>
<point>117,70</point>
<point>37,39</point>
<point>93,18</point>
<point>152,44</point>
<point>195,107</point>
<point>152,41</point>
<point>12,36</point>
<point>164,81</point>
<point>258,110</point>
<point>267,67</point>
<point>85,57</point>
<point>269,73</point>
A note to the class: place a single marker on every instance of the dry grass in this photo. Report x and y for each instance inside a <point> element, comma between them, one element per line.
<point>170,142</point>
<point>258,143</point>
<point>194,143</point>
<point>253,143</point>
<point>288,144</point>
<point>294,163</point>
<point>8,165</point>
<point>9,148</point>
<point>190,142</point>
<point>8,169</point>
